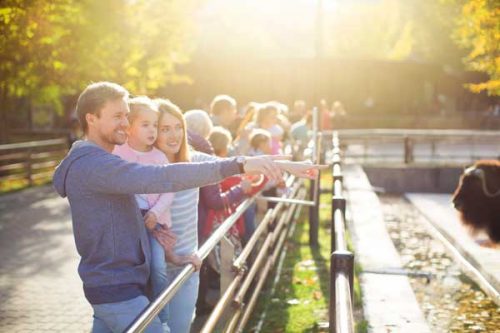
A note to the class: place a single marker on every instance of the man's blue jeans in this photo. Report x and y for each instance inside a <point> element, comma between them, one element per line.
<point>116,317</point>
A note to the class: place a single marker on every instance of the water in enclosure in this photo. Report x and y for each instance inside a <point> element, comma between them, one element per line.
<point>450,301</point>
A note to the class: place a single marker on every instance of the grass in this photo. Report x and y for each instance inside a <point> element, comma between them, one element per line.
<point>300,301</point>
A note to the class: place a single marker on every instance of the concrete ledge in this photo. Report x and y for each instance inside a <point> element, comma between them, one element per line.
<point>388,300</point>
<point>403,178</point>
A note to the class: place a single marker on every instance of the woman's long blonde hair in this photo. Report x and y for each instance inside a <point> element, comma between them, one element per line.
<point>166,106</point>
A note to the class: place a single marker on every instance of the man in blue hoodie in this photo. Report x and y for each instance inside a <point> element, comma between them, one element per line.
<point>109,231</point>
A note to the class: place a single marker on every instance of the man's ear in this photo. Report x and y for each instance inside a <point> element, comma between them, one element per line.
<point>90,118</point>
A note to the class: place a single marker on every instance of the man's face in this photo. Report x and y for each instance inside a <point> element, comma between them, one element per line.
<point>111,125</point>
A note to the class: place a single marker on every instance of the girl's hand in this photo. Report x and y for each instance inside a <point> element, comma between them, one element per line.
<point>165,236</point>
<point>184,260</point>
<point>196,261</point>
<point>150,220</point>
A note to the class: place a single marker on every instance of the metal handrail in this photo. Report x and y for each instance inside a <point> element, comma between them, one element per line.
<point>149,313</point>
<point>274,240</point>
<point>245,253</point>
<point>244,284</point>
<point>418,146</point>
<point>340,241</point>
<point>344,320</point>
<point>223,302</point>
<point>244,314</point>
<point>341,264</point>
<point>438,133</point>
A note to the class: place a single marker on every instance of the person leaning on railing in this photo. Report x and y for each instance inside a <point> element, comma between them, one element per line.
<point>109,232</point>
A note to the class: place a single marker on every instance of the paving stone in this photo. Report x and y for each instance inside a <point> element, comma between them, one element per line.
<point>39,285</point>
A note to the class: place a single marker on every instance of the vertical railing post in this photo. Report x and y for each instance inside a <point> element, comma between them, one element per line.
<point>313,215</point>
<point>333,297</point>
<point>314,185</point>
<point>408,143</point>
<point>30,166</point>
<point>227,273</point>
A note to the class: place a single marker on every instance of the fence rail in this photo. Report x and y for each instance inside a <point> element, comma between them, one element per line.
<point>242,279</point>
<point>30,161</point>
<point>341,260</point>
<point>273,229</point>
<point>419,146</point>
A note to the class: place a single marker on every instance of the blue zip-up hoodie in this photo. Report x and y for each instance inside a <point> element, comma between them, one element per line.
<point>109,231</point>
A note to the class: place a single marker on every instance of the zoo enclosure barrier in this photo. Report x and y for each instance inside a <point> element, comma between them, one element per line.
<point>341,260</point>
<point>242,277</point>
<point>413,146</point>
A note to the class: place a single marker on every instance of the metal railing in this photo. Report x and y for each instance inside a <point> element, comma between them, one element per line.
<point>341,260</point>
<point>412,146</point>
<point>231,313</point>
<point>242,280</point>
<point>148,314</point>
<point>30,161</point>
<point>237,300</point>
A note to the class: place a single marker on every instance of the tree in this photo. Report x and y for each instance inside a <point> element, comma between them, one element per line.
<point>53,48</point>
<point>478,31</point>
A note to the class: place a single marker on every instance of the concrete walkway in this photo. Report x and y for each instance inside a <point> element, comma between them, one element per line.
<point>438,210</point>
<point>40,290</point>
<point>389,303</point>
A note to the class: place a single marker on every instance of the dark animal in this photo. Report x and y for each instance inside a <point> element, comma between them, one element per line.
<point>477,198</point>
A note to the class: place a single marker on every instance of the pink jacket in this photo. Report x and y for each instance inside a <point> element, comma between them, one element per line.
<point>159,203</point>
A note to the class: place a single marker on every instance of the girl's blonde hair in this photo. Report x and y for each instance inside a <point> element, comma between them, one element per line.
<point>139,104</point>
<point>166,106</point>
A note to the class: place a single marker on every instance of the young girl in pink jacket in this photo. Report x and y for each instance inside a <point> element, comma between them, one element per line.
<point>155,208</point>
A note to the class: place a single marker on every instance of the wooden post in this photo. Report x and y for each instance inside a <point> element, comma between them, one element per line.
<point>29,164</point>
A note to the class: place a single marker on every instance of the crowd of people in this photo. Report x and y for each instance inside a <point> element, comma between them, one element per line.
<point>148,183</point>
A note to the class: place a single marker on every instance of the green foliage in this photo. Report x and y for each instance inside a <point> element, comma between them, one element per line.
<point>30,62</point>
<point>393,30</point>
<point>430,31</point>
<point>478,31</point>
<point>369,30</point>
<point>51,48</point>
